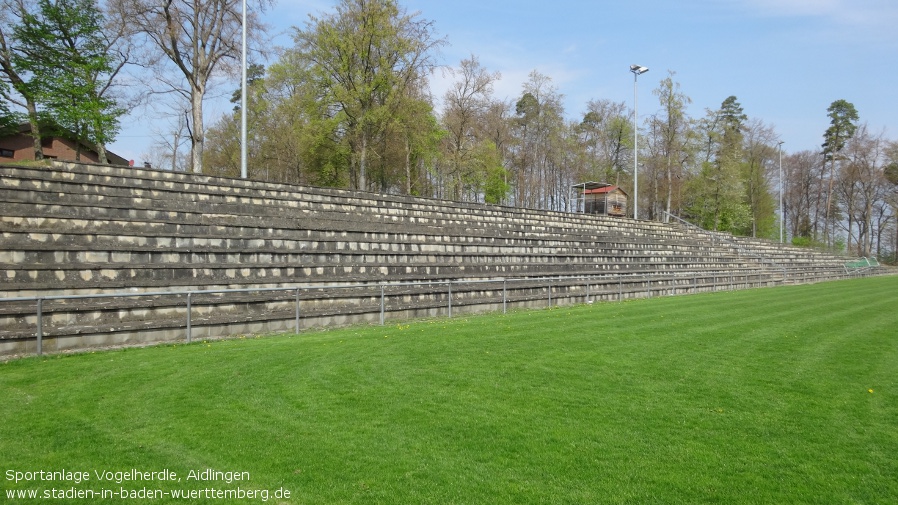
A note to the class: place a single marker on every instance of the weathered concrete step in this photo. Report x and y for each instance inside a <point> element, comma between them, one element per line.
<point>206,185</point>
<point>180,207</point>
<point>404,207</point>
<point>65,234</point>
<point>129,275</point>
<point>24,248</point>
<point>117,315</point>
<point>48,248</point>
<point>66,223</point>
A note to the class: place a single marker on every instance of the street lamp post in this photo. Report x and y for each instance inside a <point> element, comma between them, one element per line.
<point>637,70</point>
<point>782,185</point>
<point>243,147</point>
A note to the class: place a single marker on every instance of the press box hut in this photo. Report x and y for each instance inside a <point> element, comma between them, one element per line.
<point>601,198</point>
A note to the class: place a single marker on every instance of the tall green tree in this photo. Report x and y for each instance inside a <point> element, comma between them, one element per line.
<point>672,127</point>
<point>538,158</point>
<point>843,124</point>
<point>63,46</point>
<point>19,88</point>
<point>222,151</point>
<point>605,136</point>
<point>8,119</point>
<point>304,136</point>
<point>365,59</point>
<point>717,194</point>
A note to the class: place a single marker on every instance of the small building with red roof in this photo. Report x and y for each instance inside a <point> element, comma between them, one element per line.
<point>601,198</point>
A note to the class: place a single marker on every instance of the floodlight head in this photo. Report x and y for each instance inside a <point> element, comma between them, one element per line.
<point>638,69</point>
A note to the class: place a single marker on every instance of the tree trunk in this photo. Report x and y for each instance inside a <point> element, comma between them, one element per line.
<point>816,223</point>
<point>829,198</point>
<point>669,190</point>
<point>363,162</point>
<point>197,137</point>
<point>850,229</point>
<point>868,222</point>
<point>408,167</point>
<point>174,151</point>
<point>101,154</point>
<point>79,136</point>
<point>35,130</point>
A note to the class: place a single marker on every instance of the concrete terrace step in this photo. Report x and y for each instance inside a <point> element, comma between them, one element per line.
<point>132,212</point>
<point>147,276</point>
<point>68,234</point>
<point>92,229</point>
<point>108,320</point>
<point>31,213</point>
<point>400,207</point>
<point>64,233</point>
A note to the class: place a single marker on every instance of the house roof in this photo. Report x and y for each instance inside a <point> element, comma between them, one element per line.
<point>25,129</point>
<point>583,186</point>
<point>604,190</point>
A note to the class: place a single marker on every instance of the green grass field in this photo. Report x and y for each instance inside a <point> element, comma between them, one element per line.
<point>768,396</point>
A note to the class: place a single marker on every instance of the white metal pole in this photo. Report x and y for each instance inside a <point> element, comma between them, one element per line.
<point>636,69</point>
<point>243,170</point>
<point>635,148</point>
<point>782,186</point>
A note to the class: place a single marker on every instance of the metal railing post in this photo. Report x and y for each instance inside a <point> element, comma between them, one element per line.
<point>504,296</point>
<point>189,329</point>
<point>667,284</point>
<point>297,310</point>
<point>40,326</point>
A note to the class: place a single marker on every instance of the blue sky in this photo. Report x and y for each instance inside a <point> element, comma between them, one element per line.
<point>785,60</point>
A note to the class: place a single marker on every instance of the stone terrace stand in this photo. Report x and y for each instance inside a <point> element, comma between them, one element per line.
<point>193,256</point>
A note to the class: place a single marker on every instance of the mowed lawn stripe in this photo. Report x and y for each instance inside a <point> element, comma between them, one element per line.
<point>758,396</point>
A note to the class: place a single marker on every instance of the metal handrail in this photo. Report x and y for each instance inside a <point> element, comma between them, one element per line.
<point>739,249</point>
<point>729,277</point>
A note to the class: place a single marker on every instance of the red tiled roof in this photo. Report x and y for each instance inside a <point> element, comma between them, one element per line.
<point>606,189</point>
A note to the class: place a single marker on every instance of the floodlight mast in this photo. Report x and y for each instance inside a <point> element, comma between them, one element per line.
<point>779,146</point>
<point>243,147</point>
<point>637,71</point>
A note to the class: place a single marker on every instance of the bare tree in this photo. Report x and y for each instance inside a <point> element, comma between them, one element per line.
<point>760,156</point>
<point>861,186</point>
<point>673,129</point>
<point>465,106</point>
<point>201,39</point>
